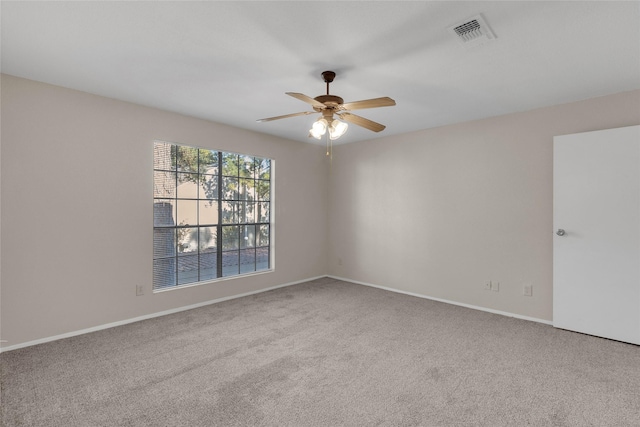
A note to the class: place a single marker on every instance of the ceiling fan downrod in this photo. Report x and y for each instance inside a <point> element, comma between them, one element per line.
<point>330,102</point>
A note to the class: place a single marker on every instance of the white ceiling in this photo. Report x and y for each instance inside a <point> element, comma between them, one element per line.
<point>232,62</point>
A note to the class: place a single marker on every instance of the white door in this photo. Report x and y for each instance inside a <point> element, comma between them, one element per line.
<point>596,249</point>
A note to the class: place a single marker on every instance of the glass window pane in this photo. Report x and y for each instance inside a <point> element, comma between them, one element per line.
<point>164,242</point>
<point>264,168</point>
<point>230,263</point>
<point>187,269</point>
<point>187,186</point>
<point>208,239</point>
<point>262,259</point>
<point>263,235</point>
<point>263,212</point>
<point>263,190</point>
<point>247,212</point>
<point>208,212</point>
<point>164,184</point>
<point>208,187</point>
<point>208,266</point>
<point>187,239</point>
<point>229,164</point>
<point>164,212</point>
<point>164,273</point>
<point>208,162</point>
<point>229,212</point>
<point>247,167</point>
<point>187,159</point>
<point>230,188</point>
<point>164,156</point>
<point>247,260</point>
<point>246,189</point>
<point>230,238</point>
<point>247,236</point>
<point>187,212</point>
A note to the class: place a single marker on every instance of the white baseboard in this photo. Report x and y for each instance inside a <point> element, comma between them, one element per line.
<point>147,316</point>
<point>474,307</point>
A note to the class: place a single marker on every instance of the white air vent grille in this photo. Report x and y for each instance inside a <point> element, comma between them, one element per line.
<point>469,30</point>
<point>472,31</point>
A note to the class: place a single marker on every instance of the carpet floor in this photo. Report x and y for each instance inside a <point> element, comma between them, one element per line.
<point>324,353</point>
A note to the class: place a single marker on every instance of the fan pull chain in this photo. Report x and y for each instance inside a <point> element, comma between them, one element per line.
<point>327,144</point>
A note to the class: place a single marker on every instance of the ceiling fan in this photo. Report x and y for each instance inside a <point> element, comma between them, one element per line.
<point>330,105</point>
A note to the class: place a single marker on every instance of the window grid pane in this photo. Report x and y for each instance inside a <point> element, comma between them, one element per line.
<point>208,187</point>
<point>188,269</point>
<point>208,162</point>
<point>187,158</point>
<point>230,263</point>
<point>164,184</point>
<point>164,212</point>
<point>247,260</point>
<point>164,273</point>
<point>164,156</point>
<point>230,188</point>
<point>211,214</point>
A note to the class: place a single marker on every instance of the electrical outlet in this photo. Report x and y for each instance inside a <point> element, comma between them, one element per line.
<point>527,290</point>
<point>495,286</point>
<point>139,290</point>
<point>339,261</point>
<point>487,286</point>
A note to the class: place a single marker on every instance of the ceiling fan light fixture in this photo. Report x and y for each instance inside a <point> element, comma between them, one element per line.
<point>337,129</point>
<point>318,128</point>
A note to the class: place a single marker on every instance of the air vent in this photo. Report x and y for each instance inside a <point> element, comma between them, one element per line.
<point>473,31</point>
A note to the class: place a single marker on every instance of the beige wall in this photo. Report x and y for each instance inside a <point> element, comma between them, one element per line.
<point>436,212</point>
<point>441,211</point>
<point>77,209</point>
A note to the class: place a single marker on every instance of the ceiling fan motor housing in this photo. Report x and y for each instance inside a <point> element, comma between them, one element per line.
<point>330,101</point>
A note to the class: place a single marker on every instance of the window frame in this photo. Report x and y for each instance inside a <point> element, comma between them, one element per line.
<point>249,201</point>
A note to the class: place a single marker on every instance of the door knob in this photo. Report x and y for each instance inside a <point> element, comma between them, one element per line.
<point>560,232</point>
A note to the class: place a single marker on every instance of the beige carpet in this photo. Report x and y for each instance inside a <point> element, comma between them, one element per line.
<point>324,353</point>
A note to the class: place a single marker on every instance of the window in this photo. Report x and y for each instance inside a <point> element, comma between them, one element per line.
<point>211,214</point>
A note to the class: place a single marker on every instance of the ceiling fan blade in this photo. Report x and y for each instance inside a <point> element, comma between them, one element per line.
<point>368,103</point>
<point>268,119</point>
<point>306,99</point>
<point>361,121</point>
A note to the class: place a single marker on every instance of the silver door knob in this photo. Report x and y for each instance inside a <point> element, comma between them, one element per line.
<point>560,232</point>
